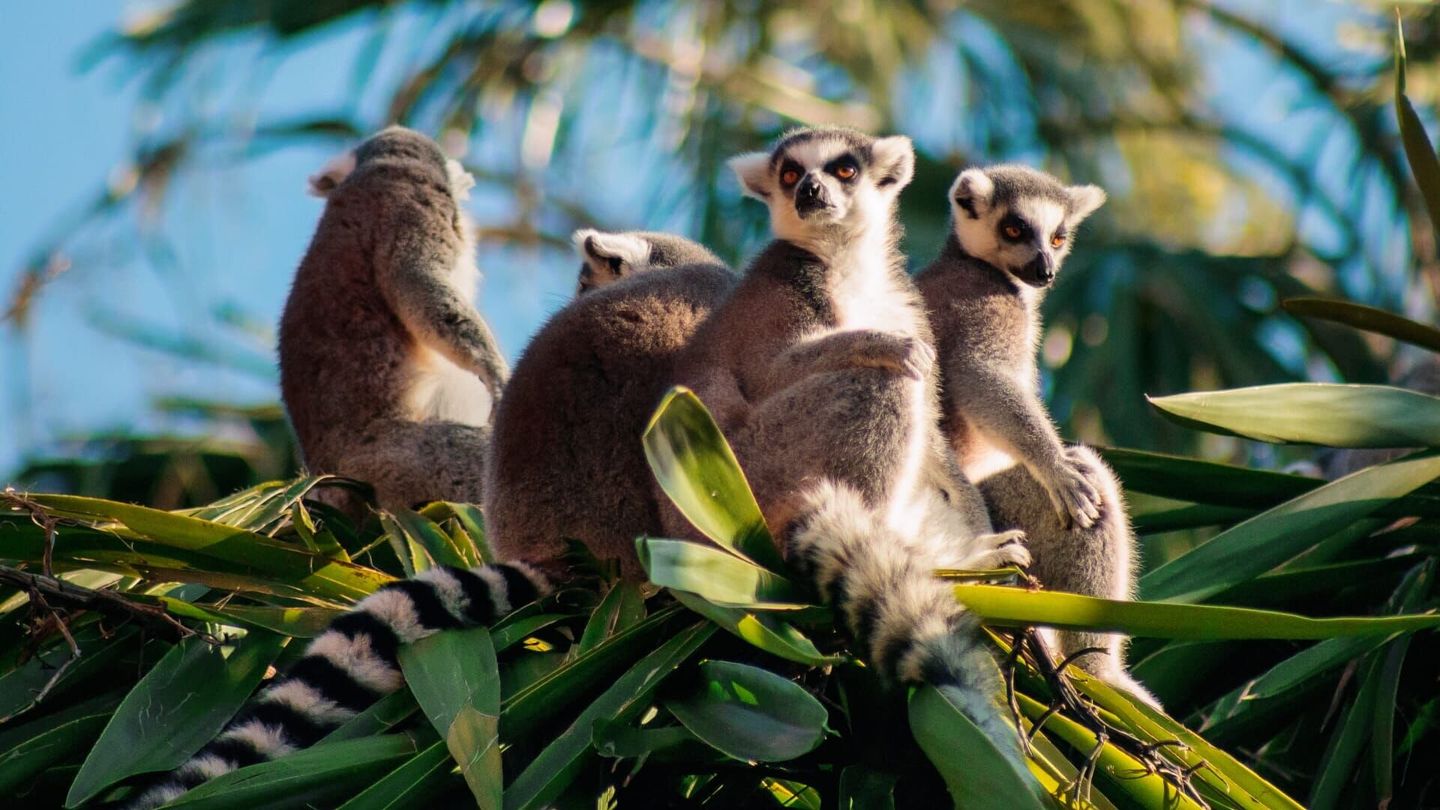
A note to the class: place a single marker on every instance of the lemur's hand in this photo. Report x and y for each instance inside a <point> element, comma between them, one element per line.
<point>1077,502</point>
<point>998,550</point>
<point>908,355</point>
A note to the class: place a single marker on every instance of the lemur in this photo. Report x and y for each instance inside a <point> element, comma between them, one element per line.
<point>566,460</point>
<point>1012,229</point>
<point>387,371</point>
<point>819,370</point>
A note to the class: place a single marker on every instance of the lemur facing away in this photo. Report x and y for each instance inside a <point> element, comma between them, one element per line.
<point>566,461</point>
<point>386,369</point>
<point>819,370</point>
<point>1013,227</point>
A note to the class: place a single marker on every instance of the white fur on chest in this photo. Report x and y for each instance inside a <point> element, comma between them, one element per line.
<point>439,389</point>
<point>865,293</point>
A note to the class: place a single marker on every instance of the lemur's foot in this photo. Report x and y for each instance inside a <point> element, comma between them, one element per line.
<point>998,550</point>
<point>1076,500</point>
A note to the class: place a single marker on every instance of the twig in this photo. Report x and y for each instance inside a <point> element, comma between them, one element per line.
<point>40,586</point>
<point>40,517</point>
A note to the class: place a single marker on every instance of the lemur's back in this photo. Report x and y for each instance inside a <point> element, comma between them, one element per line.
<point>591,376</point>
<point>345,357</point>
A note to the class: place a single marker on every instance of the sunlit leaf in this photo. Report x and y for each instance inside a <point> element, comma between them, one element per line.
<point>749,713</point>
<point>1313,413</point>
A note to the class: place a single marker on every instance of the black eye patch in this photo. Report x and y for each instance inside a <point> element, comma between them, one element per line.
<point>845,167</point>
<point>1014,229</point>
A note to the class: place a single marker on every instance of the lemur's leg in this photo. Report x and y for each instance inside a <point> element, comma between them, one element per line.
<point>1098,560</point>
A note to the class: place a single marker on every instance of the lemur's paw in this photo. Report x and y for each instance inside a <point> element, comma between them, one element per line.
<point>908,355</point>
<point>998,550</point>
<point>1077,501</point>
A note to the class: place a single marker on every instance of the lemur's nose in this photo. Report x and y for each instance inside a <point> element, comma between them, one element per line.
<point>810,188</point>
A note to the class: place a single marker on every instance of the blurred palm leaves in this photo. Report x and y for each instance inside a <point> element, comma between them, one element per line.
<point>621,114</point>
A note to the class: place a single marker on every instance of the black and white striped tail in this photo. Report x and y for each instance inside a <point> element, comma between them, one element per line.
<point>352,665</point>
<point>906,622</point>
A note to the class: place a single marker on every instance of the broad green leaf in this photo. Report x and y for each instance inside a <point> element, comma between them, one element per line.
<point>863,788</point>
<point>1304,666</point>
<point>1418,149</point>
<point>979,775</point>
<point>1269,539</point>
<point>1190,480</point>
<point>1312,413</point>
<point>288,621</point>
<point>312,777</point>
<point>539,701</point>
<point>473,520</point>
<point>698,471</point>
<point>1223,777</point>
<point>765,630</point>
<point>1369,319</point>
<point>714,574</point>
<point>439,546</point>
<point>750,714</point>
<point>556,766</point>
<point>455,678</point>
<point>259,508</point>
<point>180,705</point>
<point>382,716</point>
<point>30,748</point>
<point>250,553</point>
<point>622,741</point>
<point>99,652</point>
<point>1131,777</point>
<point>421,779</point>
<point>622,607</point>
<point>1010,606</point>
<point>509,633</point>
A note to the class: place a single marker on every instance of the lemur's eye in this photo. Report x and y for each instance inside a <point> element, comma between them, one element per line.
<point>1057,240</point>
<point>845,171</point>
<point>1012,231</point>
<point>790,176</point>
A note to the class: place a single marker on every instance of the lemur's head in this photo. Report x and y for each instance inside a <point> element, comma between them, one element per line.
<point>1019,219</point>
<point>607,257</point>
<point>823,182</point>
<point>392,142</point>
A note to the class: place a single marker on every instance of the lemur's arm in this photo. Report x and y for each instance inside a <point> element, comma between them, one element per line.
<point>1015,420</point>
<point>415,281</point>
<point>862,348</point>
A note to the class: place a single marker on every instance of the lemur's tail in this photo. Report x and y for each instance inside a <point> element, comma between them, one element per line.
<point>350,666</point>
<point>906,622</point>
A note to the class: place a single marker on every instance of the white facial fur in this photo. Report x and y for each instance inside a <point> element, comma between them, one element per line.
<point>854,207</point>
<point>1041,216</point>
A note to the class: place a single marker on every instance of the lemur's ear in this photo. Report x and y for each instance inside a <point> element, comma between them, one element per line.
<point>615,253</point>
<point>332,174</point>
<point>894,159</point>
<point>1083,202</point>
<point>973,192</point>
<point>461,181</point>
<point>752,169</point>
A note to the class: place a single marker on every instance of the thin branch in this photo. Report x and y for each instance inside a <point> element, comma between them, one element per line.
<point>40,586</point>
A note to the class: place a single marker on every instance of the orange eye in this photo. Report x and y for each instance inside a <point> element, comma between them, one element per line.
<point>1012,231</point>
<point>1057,240</point>
<point>845,172</point>
<point>790,177</point>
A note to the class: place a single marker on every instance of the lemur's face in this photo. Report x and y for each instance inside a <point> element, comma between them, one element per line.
<point>819,181</point>
<point>1019,219</point>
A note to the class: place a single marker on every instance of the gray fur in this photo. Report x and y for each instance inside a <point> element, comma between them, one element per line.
<point>566,461</point>
<point>606,258</point>
<point>984,293</point>
<point>385,366</point>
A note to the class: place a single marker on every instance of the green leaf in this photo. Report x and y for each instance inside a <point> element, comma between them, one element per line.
<point>750,714</point>
<point>1312,413</point>
<point>99,652</point>
<point>288,621</point>
<point>762,629</point>
<point>1011,606</point>
<point>714,574</point>
<point>863,788</point>
<point>1271,538</point>
<point>455,678</point>
<point>622,607</point>
<point>1207,482</point>
<point>1369,319</point>
<point>314,776</point>
<point>180,705</point>
<point>1418,150</point>
<point>1382,737</point>
<point>556,766</point>
<point>439,546</point>
<point>979,775</point>
<point>382,716</point>
<point>421,779</point>
<point>30,748</point>
<point>1337,767</point>
<point>696,468</point>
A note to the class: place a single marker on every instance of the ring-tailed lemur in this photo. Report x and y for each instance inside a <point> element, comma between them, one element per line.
<point>566,461</point>
<point>818,367</point>
<point>350,666</point>
<point>387,371</point>
<point>1012,228</point>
